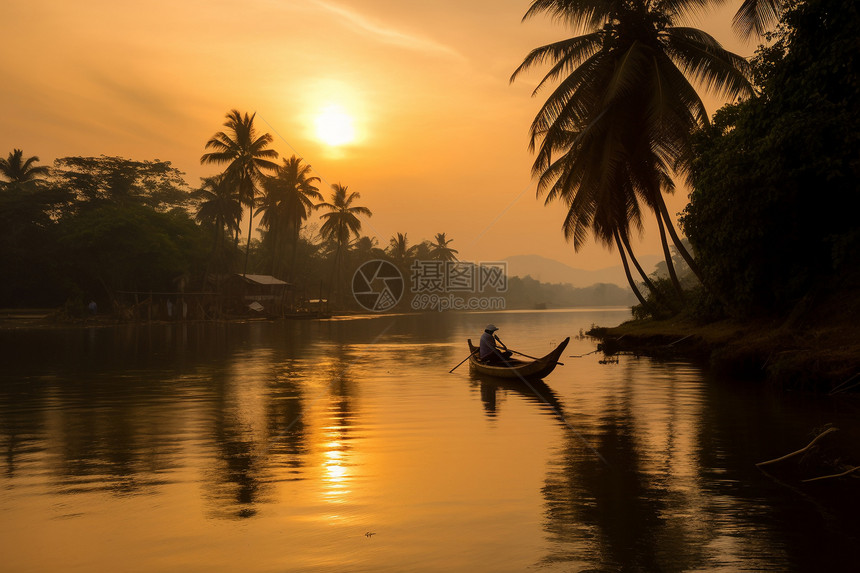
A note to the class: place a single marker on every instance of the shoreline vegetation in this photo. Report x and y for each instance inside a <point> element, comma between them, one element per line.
<point>816,347</point>
<point>45,318</point>
<point>765,283</point>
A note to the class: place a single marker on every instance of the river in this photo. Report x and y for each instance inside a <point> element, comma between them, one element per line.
<point>346,445</point>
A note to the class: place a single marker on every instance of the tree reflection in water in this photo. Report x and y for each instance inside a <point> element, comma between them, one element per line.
<point>624,514</point>
<point>258,428</point>
<point>309,435</point>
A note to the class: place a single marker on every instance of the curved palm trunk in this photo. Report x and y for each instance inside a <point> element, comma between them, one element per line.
<point>278,252</point>
<point>275,248</point>
<point>691,262</point>
<point>630,280</point>
<point>670,266</point>
<point>295,240</point>
<point>650,284</point>
<point>248,247</point>
<point>334,291</point>
<point>212,255</point>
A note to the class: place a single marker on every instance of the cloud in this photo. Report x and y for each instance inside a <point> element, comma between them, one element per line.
<point>386,34</point>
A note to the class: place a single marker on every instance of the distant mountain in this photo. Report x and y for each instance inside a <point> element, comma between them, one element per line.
<point>551,271</point>
<point>528,293</point>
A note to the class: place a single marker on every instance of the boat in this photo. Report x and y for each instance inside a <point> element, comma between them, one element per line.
<point>536,392</point>
<point>530,369</point>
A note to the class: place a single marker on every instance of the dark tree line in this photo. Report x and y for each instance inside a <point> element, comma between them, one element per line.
<point>773,174</point>
<point>88,228</point>
<point>91,226</point>
<point>775,177</point>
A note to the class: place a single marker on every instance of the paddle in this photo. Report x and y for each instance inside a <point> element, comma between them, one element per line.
<point>520,353</point>
<point>532,357</point>
<point>461,363</point>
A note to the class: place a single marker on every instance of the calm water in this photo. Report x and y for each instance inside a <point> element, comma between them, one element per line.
<point>346,445</point>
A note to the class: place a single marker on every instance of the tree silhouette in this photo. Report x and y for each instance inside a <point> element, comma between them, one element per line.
<point>22,172</point>
<point>756,16</point>
<point>618,123</point>
<point>246,157</point>
<point>286,203</point>
<point>399,249</point>
<point>341,222</point>
<point>220,208</point>
<point>440,251</point>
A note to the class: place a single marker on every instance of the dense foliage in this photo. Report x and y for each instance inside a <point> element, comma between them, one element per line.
<point>775,177</point>
<point>92,226</point>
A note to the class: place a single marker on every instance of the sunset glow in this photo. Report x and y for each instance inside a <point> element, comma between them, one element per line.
<point>386,97</point>
<point>334,126</point>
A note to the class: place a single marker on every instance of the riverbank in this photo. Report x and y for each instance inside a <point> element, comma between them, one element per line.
<point>816,348</point>
<point>30,319</point>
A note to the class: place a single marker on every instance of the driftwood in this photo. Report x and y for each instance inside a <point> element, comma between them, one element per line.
<point>845,473</point>
<point>801,450</point>
<point>840,387</point>
<point>679,340</point>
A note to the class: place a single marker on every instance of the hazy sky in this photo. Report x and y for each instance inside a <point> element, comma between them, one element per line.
<point>440,135</point>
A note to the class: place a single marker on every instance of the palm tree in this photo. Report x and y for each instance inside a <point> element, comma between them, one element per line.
<point>399,249</point>
<point>341,222</point>
<point>365,249</point>
<point>440,251</point>
<point>246,157</point>
<point>22,172</point>
<point>219,207</point>
<point>619,120</point>
<point>286,203</point>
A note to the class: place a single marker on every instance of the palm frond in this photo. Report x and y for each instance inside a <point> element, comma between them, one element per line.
<point>629,74</point>
<point>589,14</point>
<point>361,211</point>
<point>702,57</point>
<point>565,54</point>
<point>679,8</point>
<point>757,17</point>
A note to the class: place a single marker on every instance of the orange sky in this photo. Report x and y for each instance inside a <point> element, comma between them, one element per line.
<point>441,135</point>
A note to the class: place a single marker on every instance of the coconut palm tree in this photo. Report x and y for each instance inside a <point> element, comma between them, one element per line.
<point>22,172</point>
<point>365,248</point>
<point>620,118</point>
<point>219,207</point>
<point>440,251</point>
<point>286,203</point>
<point>247,160</point>
<point>399,249</point>
<point>341,222</point>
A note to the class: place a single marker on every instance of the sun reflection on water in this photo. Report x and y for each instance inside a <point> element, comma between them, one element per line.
<point>336,473</point>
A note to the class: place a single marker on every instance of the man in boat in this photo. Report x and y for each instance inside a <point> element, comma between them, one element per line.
<point>489,352</point>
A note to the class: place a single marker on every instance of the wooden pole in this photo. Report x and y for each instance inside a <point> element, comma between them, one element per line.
<point>461,363</point>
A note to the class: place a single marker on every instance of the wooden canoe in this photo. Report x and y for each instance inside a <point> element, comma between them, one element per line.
<point>531,369</point>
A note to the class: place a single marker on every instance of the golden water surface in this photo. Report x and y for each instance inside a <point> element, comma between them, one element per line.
<point>346,445</point>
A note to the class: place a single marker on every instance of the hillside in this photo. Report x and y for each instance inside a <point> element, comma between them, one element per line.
<point>551,271</point>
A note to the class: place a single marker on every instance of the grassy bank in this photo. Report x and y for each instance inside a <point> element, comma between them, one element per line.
<point>816,347</point>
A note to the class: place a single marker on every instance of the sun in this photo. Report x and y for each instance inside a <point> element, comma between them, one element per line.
<point>334,126</point>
